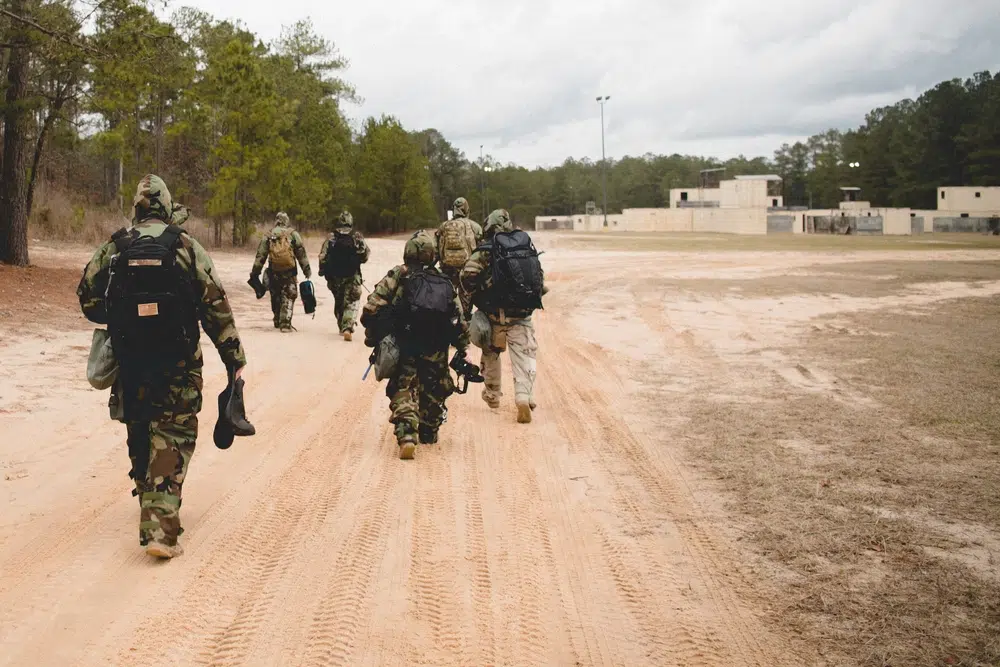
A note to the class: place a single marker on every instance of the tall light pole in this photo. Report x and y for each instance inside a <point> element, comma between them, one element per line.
<point>488,168</point>
<point>482,184</point>
<point>604,161</point>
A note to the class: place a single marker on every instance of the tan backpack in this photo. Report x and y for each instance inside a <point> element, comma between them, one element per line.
<point>456,241</point>
<point>280,253</point>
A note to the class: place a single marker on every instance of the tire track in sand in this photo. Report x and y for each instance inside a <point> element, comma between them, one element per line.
<point>637,550</point>
<point>235,591</point>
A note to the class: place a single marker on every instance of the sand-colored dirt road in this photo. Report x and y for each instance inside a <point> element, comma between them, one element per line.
<point>568,541</point>
<point>575,540</point>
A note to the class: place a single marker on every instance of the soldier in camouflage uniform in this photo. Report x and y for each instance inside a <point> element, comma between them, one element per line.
<point>346,289</point>
<point>456,240</point>
<point>282,281</point>
<point>422,382</point>
<point>170,404</point>
<point>511,330</point>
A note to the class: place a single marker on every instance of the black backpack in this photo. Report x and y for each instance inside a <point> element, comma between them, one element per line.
<point>342,259</point>
<point>425,314</point>
<point>516,272</point>
<point>152,306</point>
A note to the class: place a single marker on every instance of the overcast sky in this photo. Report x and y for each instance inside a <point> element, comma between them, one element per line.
<point>705,77</point>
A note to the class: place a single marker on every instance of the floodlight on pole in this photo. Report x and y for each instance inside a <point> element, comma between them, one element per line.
<point>482,182</point>
<point>604,162</point>
<point>487,169</point>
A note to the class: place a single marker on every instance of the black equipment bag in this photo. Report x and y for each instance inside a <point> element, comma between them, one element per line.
<point>342,259</point>
<point>425,318</point>
<point>516,272</point>
<point>152,308</point>
<point>308,293</point>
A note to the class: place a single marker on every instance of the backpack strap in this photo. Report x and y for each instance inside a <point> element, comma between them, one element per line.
<point>121,239</point>
<point>170,236</point>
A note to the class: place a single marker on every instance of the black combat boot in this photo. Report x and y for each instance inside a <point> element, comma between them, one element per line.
<point>428,435</point>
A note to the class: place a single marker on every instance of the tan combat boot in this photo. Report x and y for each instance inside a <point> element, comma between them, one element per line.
<point>407,448</point>
<point>491,400</point>
<point>348,336</point>
<point>158,550</point>
<point>523,412</point>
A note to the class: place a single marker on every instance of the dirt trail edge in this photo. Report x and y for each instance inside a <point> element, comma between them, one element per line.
<point>574,540</point>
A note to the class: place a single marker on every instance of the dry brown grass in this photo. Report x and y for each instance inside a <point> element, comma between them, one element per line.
<point>878,524</point>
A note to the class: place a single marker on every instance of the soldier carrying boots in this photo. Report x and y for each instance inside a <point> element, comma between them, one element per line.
<point>416,303</point>
<point>281,249</point>
<point>153,284</point>
<point>340,261</point>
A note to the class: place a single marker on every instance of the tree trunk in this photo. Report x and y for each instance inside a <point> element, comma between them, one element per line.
<point>159,137</point>
<point>61,97</point>
<point>13,177</point>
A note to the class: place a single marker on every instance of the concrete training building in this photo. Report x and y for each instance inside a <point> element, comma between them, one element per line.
<point>753,205</point>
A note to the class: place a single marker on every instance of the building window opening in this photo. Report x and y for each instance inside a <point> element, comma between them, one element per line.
<point>978,195</point>
<point>869,214</point>
<point>965,215</point>
<point>774,202</point>
<point>684,196</point>
<point>942,194</point>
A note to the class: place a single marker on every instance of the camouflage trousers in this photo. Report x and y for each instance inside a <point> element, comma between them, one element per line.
<point>517,337</point>
<point>417,393</point>
<point>346,297</point>
<point>170,439</point>
<point>284,289</point>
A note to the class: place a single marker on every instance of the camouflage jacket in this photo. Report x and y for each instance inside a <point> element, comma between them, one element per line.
<point>364,252</point>
<point>477,280</point>
<point>384,299</point>
<point>297,245</point>
<point>213,307</point>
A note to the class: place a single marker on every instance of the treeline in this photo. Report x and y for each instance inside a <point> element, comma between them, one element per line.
<point>949,135</point>
<point>100,92</point>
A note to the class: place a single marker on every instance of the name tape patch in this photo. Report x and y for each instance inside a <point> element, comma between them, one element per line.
<point>149,309</point>
<point>145,262</point>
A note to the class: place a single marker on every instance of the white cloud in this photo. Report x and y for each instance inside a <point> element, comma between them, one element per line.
<point>712,77</point>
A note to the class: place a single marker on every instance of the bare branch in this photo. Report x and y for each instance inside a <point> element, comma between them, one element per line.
<point>62,37</point>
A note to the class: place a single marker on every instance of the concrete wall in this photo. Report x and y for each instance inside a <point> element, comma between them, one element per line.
<point>781,223</point>
<point>949,224</point>
<point>730,221</point>
<point>554,222</point>
<point>694,195</point>
<point>964,200</point>
<point>890,221</point>
<point>595,223</point>
<point>896,221</point>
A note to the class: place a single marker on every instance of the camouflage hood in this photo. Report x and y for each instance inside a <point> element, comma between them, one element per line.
<point>420,249</point>
<point>152,200</point>
<point>498,221</point>
<point>281,220</point>
<point>345,223</point>
<point>460,208</point>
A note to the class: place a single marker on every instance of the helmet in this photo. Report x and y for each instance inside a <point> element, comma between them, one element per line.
<point>345,221</point>
<point>498,221</point>
<point>152,200</point>
<point>461,208</point>
<point>281,219</point>
<point>420,249</point>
